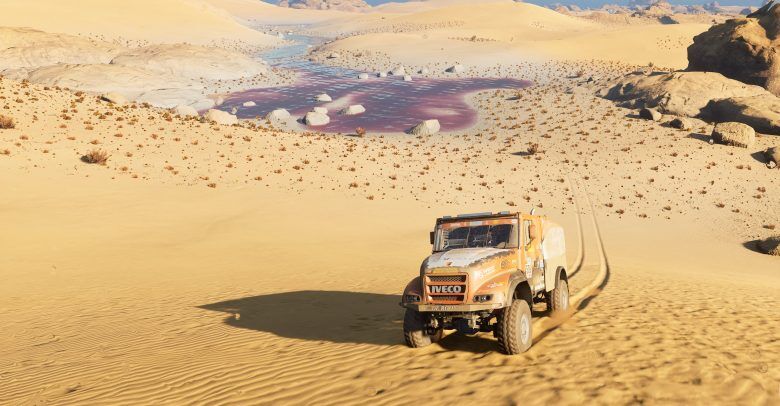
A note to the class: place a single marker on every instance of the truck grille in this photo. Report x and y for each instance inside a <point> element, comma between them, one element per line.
<point>447,289</point>
<point>447,278</point>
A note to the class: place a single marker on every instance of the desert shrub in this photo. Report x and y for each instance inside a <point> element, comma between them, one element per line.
<point>96,156</point>
<point>6,122</point>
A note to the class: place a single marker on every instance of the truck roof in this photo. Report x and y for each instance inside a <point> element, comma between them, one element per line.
<point>482,215</point>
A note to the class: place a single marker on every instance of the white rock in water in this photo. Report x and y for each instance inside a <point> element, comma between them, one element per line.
<point>233,110</point>
<point>353,110</point>
<point>249,104</point>
<point>382,74</point>
<point>458,68</point>
<point>221,117</point>
<point>323,98</point>
<point>424,71</point>
<point>407,78</point>
<point>334,55</point>
<point>114,97</point>
<point>185,110</point>
<point>398,71</point>
<point>322,110</point>
<point>314,118</point>
<point>363,76</point>
<point>427,127</point>
<point>278,115</point>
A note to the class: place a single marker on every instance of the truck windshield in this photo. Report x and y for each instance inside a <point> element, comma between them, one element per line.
<point>457,235</point>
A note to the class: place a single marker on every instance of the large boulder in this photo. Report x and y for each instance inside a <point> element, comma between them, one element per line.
<point>353,110</point>
<point>742,48</point>
<point>650,114</point>
<point>734,134</point>
<point>770,245</point>
<point>220,117</point>
<point>323,98</point>
<point>760,112</point>
<point>314,118</point>
<point>458,68</point>
<point>278,115</point>
<point>677,93</point>
<point>427,127</point>
<point>773,156</point>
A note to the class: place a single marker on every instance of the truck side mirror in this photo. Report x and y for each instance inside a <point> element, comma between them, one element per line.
<point>431,236</point>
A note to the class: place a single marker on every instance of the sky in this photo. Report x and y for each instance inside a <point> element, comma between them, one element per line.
<point>598,3</point>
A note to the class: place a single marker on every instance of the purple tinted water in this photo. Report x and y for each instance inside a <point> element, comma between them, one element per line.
<point>392,105</point>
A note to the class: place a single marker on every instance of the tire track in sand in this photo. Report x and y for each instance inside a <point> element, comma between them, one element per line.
<point>545,325</point>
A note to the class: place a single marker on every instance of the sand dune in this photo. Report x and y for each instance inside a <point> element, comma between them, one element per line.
<point>248,265</point>
<point>508,32</point>
<point>170,21</point>
<point>260,12</point>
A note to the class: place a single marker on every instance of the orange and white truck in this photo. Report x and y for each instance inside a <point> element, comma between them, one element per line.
<point>485,274</point>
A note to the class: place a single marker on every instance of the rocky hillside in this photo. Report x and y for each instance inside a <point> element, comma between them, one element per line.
<point>343,5</point>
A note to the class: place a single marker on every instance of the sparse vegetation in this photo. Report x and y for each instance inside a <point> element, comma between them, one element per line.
<point>96,156</point>
<point>6,122</point>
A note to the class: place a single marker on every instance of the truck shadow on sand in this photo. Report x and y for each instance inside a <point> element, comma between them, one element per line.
<point>335,316</point>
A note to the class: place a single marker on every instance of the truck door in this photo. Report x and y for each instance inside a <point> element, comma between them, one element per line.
<point>533,264</point>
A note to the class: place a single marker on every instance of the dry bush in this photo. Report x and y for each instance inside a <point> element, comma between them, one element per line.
<point>96,156</point>
<point>360,131</point>
<point>6,122</point>
<point>533,149</point>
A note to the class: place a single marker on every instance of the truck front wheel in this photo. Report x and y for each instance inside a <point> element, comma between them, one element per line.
<point>513,328</point>
<point>416,331</point>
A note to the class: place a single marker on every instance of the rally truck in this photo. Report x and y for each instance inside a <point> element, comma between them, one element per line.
<point>485,274</point>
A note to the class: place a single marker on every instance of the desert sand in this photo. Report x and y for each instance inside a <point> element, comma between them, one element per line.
<point>246,264</point>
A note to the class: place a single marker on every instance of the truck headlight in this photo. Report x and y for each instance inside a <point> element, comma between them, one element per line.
<point>411,298</point>
<point>483,298</point>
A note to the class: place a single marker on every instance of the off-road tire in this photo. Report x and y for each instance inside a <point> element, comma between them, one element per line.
<point>559,297</point>
<point>415,333</point>
<point>514,328</point>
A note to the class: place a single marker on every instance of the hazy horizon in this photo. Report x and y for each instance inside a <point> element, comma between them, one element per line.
<point>588,3</point>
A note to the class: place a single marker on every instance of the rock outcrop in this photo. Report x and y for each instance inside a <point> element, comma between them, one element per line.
<point>185,111</point>
<point>220,117</point>
<point>29,48</point>
<point>427,127</point>
<point>677,93</point>
<point>734,134</point>
<point>114,97</point>
<point>353,110</point>
<point>760,112</point>
<point>278,115</point>
<point>342,5</point>
<point>745,49</point>
<point>770,245</point>
<point>314,118</point>
<point>191,61</point>
<point>324,97</point>
<point>773,156</point>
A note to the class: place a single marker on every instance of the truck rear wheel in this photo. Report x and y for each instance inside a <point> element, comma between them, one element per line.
<point>416,331</point>
<point>514,328</point>
<point>559,297</point>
